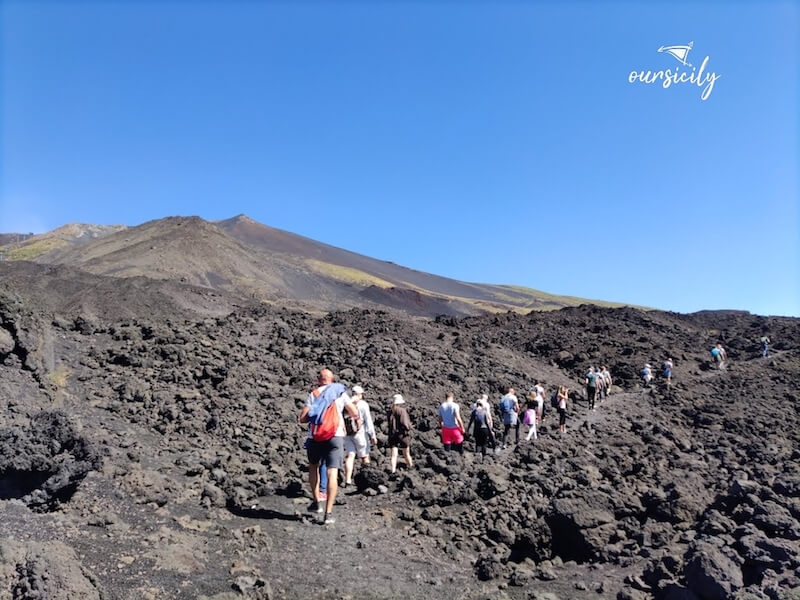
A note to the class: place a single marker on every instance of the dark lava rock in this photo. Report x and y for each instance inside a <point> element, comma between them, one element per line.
<point>43,463</point>
<point>712,574</point>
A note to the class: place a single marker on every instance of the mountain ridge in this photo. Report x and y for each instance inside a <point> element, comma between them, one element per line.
<point>242,256</point>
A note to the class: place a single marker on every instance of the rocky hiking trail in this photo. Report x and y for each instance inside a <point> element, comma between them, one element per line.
<point>163,458</point>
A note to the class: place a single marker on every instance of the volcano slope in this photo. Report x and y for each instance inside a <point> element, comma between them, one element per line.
<point>156,457</point>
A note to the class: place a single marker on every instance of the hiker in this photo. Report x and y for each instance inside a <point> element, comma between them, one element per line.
<point>509,408</point>
<point>647,375</point>
<point>591,387</point>
<point>484,401</point>
<point>323,411</point>
<point>606,375</point>
<point>719,355</point>
<point>451,424</point>
<point>479,421</point>
<point>399,432</point>
<point>358,444</point>
<point>562,397</point>
<point>536,395</point>
<point>668,370</point>
<point>765,346</point>
<point>530,417</point>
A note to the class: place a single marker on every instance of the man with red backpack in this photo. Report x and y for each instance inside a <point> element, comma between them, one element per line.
<point>323,413</point>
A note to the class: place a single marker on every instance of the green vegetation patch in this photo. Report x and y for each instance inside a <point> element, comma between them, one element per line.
<point>346,274</point>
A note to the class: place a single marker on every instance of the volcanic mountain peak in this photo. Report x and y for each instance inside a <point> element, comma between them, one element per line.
<point>247,258</point>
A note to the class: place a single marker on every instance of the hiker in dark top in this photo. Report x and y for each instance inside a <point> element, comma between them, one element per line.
<point>399,431</point>
<point>591,387</point>
<point>479,419</point>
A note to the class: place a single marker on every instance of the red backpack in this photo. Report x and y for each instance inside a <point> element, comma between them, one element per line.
<point>326,428</point>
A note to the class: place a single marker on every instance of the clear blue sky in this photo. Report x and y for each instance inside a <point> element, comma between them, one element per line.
<point>491,142</point>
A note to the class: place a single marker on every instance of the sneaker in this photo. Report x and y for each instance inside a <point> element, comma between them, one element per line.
<point>329,519</point>
<point>323,496</point>
<point>315,507</point>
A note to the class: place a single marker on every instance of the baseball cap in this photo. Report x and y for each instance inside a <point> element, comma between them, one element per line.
<point>357,390</point>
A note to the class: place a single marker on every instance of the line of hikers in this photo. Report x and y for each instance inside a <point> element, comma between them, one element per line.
<point>341,428</point>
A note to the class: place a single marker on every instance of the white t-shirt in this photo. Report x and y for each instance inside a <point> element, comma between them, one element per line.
<point>366,418</point>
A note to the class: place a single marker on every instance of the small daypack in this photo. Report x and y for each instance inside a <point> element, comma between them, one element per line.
<point>326,428</point>
<point>554,400</point>
<point>530,417</point>
<point>323,425</point>
<point>351,424</point>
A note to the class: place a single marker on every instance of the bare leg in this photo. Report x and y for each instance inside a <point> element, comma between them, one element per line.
<point>313,481</point>
<point>407,454</point>
<point>393,459</point>
<point>333,486</point>
<point>348,467</point>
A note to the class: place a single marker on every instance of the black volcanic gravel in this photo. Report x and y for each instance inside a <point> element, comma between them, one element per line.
<point>164,459</point>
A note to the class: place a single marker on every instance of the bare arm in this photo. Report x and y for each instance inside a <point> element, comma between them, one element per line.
<point>304,414</point>
<point>369,426</point>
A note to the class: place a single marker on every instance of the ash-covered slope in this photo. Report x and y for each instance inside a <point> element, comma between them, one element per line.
<point>201,489</point>
<point>246,258</point>
<point>68,292</point>
<point>53,243</point>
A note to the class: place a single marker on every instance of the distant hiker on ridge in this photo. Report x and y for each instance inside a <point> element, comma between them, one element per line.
<point>323,412</point>
<point>719,355</point>
<point>647,374</point>
<point>668,366</point>
<point>765,346</point>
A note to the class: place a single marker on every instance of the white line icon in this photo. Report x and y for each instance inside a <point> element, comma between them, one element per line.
<point>681,53</point>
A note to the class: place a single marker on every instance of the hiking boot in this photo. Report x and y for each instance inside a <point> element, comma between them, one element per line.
<point>315,507</point>
<point>329,519</point>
